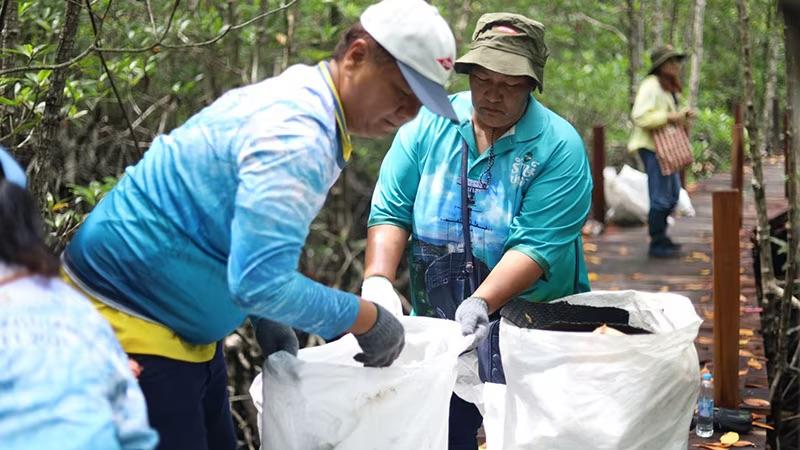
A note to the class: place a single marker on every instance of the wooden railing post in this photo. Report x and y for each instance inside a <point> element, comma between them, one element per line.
<point>598,164</point>
<point>725,254</point>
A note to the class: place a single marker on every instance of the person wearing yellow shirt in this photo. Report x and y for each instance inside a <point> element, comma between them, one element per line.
<point>656,105</point>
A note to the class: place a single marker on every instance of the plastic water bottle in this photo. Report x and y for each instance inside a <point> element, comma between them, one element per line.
<point>705,408</point>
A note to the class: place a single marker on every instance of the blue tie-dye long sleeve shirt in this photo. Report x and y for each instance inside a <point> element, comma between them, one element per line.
<point>65,382</point>
<point>208,227</point>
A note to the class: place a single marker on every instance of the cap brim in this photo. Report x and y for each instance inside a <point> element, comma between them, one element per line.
<point>429,93</point>
<point>12,170</point>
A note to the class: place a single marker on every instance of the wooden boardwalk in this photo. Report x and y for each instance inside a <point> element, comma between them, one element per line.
<point>617,259</point>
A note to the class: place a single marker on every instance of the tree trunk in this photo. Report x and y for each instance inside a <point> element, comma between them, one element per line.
<point>767,275</point>
<point>658,23</point>
<point>767,119</point>
<point>634,50</point>
<point>791,16</point>
<point>46,159</point>
<point>673,18</point>
<point>9,39</point>
<point>697,54</point>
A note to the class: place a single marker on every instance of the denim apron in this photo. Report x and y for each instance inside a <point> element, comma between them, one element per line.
<point>451,277</point>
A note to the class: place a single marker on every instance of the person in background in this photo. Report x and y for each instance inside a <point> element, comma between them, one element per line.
<point>64,380</point>
<point>656,105</point>
<point>528,189</point>
<point>207,229</point>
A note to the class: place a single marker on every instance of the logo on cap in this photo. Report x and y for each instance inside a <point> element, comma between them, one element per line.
<point>447,63</point>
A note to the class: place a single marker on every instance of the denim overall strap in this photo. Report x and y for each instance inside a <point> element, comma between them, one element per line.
<point>469,265</point>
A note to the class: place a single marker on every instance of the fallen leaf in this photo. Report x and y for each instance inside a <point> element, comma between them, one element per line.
<point>743,341</point>
<point>742,298</point>
<point>710,446</point>
<point>743,444</point>
<point>743,372</point>
<point>695,287</point>
<point>745,332</point>
<point>758,416</point>
<point>755,386</point>
<point>756,402</point>
<point>705,298</point>
<point>623,251</point>
<point>700,256</point>
<point>763,425</point>
<point>637,276</point>
<point>746,353</point>
<point>708,314</point>
<point>664,289</point>
<point>589,247</point>
<point>594,259</point>
<point>729,438</point>
<point>593,276</point>
<point>705,340</point>
<point>705,272</point>
<point>752,362</point>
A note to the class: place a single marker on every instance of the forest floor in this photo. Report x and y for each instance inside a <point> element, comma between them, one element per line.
<point>617,260</point>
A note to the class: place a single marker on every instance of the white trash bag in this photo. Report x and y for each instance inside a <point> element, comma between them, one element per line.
<point>627,196</point>
<point>571,390</point>
<point>323,399</point>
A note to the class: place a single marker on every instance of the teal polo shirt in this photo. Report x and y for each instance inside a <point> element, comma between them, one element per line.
<point>532,196</point>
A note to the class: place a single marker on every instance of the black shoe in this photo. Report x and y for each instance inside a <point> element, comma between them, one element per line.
<point>674,245</point>
<point>664,251</point>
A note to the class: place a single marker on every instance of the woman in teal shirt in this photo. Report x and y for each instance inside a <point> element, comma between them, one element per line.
<point>529,192</point>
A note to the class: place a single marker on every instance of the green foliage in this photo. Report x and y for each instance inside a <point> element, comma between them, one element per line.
<point>64,215</point>
<point>711,141</point>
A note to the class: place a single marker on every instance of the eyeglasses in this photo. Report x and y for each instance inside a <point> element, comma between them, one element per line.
<point>10,170</point>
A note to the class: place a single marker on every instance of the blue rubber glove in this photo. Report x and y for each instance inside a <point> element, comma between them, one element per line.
<point>274,337</point>
<point>382,343</point>
<point>473,316</point>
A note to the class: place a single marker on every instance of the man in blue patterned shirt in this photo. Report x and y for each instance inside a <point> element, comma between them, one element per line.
<point>208,227</point>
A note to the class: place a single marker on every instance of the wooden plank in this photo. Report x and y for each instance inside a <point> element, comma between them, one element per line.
<point>598,164</point>
<point>726,291</point>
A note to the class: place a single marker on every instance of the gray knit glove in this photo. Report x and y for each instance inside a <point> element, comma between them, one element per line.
<point>473,315</point>
<point>274,337</point>
<point>382,343</point>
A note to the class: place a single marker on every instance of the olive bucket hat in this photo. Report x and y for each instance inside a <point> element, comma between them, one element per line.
<point>507,43</point>
<point>663,54</point>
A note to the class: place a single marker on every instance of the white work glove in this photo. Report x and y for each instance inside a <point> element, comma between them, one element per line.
<point>473,316</point>
<point>378,289</point>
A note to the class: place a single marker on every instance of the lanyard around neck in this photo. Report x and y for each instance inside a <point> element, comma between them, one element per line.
<point>344,136</point>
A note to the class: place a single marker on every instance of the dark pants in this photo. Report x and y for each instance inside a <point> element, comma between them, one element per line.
<point>465,420</point>
<point>664,191</point>
<point>187,403</point>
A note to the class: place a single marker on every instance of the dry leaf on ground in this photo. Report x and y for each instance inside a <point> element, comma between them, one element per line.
<point>743,372</point>
<point>593,276</point>
<point>705,340</point>
<point>588,247</point>
<point>763,425</point>
<point>756,402</point>
<point>743,444</point>
<point>752,362</point>
<point>729,438</point>
<point>708,314</point>
<point>746,353</point>
<point>745,332</point>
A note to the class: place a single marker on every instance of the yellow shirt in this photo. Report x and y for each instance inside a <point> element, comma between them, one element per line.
<point>144,337</point>
<point>650,110</point>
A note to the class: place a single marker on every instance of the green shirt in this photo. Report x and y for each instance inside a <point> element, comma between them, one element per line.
<point>533,196</point>
<point>650,110</point>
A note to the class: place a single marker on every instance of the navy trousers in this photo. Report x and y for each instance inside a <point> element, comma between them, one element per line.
<point>187,403</point>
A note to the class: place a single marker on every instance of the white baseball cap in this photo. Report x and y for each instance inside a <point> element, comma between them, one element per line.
<point>414,33</point>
